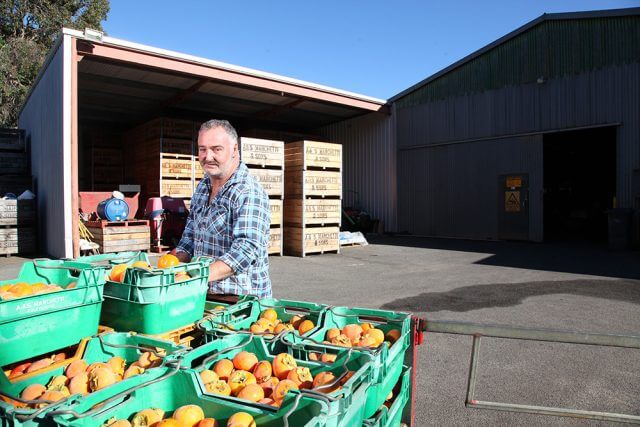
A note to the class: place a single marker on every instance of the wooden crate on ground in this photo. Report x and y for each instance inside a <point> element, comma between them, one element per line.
<point>120,236</point>
<point>275,241</point>
<point>262,152</point>
<point>301,183</point>
<point>276,211</point>
<point>313,154</point>
<point>17,212</point>
<point>301,241</point>
<point>272,180</point>
<point>300,212</point>
<point>17,240</point>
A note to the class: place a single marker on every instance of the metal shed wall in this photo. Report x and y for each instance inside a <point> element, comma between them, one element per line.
<point>452,189</point>
<point>46,118</point>
<point>369,164</point>
<point>600,97</point>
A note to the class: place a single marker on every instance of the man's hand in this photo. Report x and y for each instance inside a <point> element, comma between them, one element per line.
<point>219,270</point>
<point>182,256</point>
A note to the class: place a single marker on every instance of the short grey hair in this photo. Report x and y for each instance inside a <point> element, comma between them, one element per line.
<point>224,124</point>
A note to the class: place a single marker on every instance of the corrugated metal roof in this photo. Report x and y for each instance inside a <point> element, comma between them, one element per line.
<point>552,45</point>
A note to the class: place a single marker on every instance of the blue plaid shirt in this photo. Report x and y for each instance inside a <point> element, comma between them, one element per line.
<point>233,228</point>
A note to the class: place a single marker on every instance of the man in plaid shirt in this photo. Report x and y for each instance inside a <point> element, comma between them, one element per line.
<point>229,218</point>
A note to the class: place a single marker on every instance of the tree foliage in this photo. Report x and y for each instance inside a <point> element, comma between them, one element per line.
<point>28,29</point>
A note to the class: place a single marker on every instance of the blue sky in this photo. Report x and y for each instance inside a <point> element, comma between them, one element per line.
<point>375,48</point>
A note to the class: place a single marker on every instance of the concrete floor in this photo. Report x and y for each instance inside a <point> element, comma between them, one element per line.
<point>569,287</point>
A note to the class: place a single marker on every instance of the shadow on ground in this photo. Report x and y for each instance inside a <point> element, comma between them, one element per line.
<point>576,258</point>
<point>476,297</point>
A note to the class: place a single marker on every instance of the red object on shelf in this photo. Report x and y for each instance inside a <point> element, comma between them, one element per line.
<point>167,218</point>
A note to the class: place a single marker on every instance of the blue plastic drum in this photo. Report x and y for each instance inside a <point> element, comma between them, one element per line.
<point>113,209</point>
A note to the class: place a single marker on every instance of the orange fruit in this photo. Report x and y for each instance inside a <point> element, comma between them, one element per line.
<point>141,264</point>
<point>219,387</point>
<point>305,326</point>
<point>324,378</point>
<point>241,419</point>
<point>282,364</point>
<point>301,376</point>
<point>21,289</point>
<point>245,361</point>
<point>269,314</point>
<point>223,368</point>
<point>168,260</point>
<point>148,417</point>
<point>282,389</point>
<point>189,415</point>
<point>332,333</point>
<point>352,331</point>
<point>252,392</point>
<point>239,380</point>
<point>208,422</point>
<point>376,334</point>
<point>169,422</point>
<point>117,273</point>
<point>392,336</point>
<point>262,371</point>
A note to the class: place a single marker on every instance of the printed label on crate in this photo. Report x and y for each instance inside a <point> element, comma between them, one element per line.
<point>321,154</point>
<point>262,151</point>
<point>271,180</point>
<point>322,238</point>
<point>321,182</point>
<point>29,307</point>
<point>177,187</point>
<point>177,167</point>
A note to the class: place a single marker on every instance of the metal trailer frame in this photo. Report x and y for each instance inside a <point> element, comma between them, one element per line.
<point>478,331</point>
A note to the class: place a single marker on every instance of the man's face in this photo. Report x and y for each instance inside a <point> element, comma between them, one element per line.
<point>216,152</point>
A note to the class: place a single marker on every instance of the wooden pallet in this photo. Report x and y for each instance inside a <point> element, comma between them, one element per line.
<point>103,223</point>
<point>17,240</point>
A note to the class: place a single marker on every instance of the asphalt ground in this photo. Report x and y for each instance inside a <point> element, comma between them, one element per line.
<point>558,286</point>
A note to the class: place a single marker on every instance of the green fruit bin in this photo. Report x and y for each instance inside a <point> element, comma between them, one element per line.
<point>391,416</point>
<point>342,407</point>
<point>171,390</point>
<point>93,350</point>
<point>239,317</point>
<point>387,359</point>
<point>36,324</point>
<point>153,302</point>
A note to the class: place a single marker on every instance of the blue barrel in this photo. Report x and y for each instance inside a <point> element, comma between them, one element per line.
<point>113,209</point>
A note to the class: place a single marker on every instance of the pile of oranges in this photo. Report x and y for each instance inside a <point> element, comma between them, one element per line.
<point>268,322</point>
<point>265,382</point>
<point>81,377</point>
<point>184,416</point>
<point>360,335</point>
<point>22,289</point>
<point>118,271</point>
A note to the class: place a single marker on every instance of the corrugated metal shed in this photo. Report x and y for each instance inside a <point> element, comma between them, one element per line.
<point>552,46</point>
<point>487,114</point>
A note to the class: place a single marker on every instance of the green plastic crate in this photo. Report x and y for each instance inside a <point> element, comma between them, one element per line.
<point>344,407</point>
<point>173,389</point>
<point>97,349</point>
<point>240,316</point>
<point>392,416</point>
<point>38,324</point>
<point>387,361</point>
<point>162,304</point>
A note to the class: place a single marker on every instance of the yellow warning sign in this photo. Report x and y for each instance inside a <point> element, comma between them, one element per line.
<point>512,201</point>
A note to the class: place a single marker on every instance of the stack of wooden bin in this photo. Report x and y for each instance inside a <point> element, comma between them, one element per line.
<point>265,159</point>
<point>163,159</point>
<point>313,193</point>
<point>17,217</point>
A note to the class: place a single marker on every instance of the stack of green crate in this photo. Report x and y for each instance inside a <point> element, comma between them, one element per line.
<point>37,324</point>
<point>98,349</point>
<point>153,301</point>
<point>391,416</point>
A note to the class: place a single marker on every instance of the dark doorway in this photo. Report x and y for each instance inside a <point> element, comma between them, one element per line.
<point>579,184</point>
